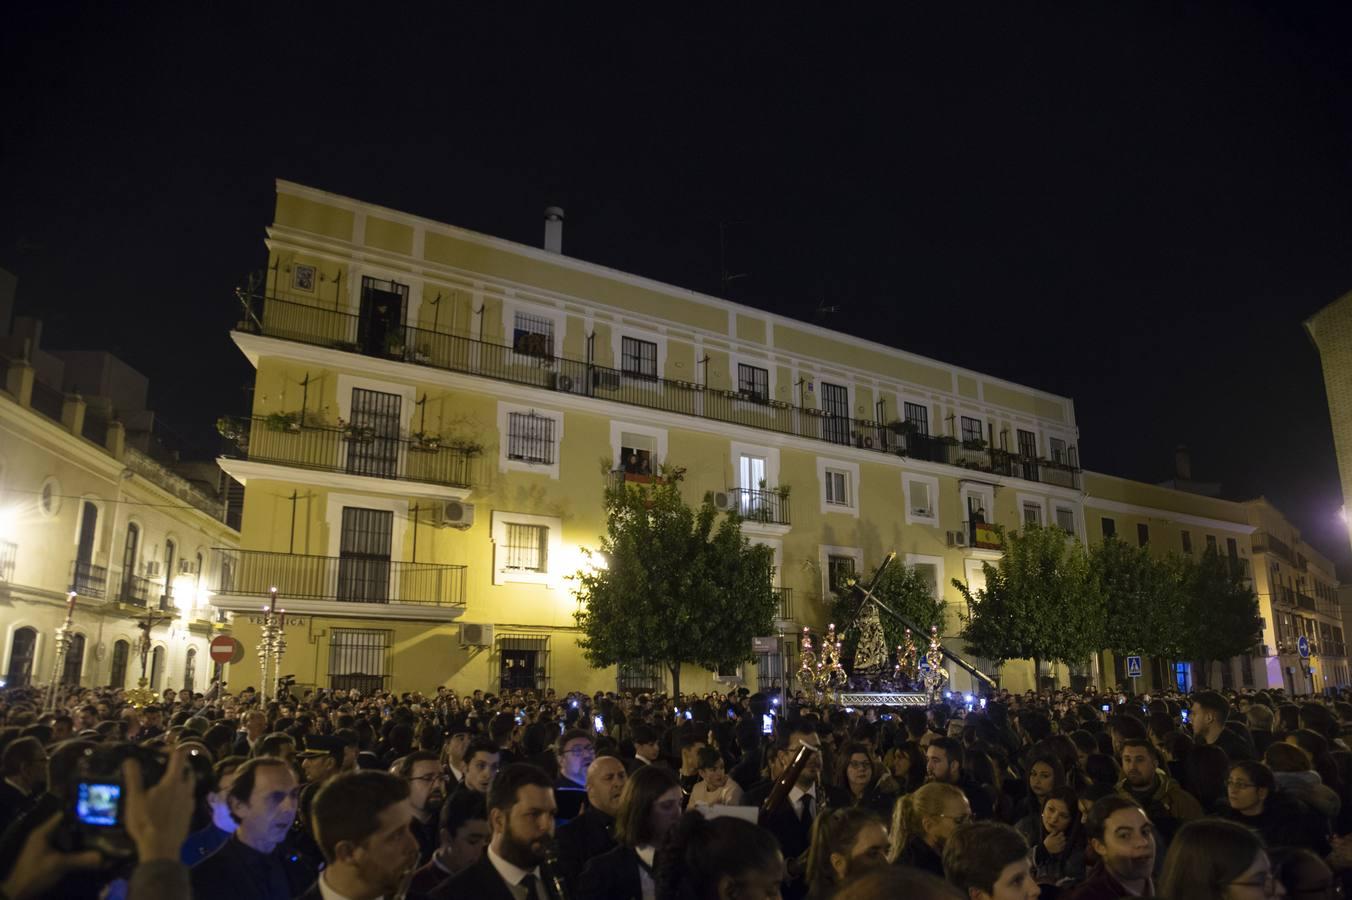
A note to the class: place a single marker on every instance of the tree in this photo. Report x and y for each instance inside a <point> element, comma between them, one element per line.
<point>1143,600</point>
<point>1040,602</point>
<point>678,585</point>
<point>1220,610</point>
<point>903,589</point>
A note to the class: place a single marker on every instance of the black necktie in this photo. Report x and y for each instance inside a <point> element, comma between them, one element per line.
<point>529,883</point>
<point>807,808</point>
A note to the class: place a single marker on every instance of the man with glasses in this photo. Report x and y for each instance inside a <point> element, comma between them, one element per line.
<point>426,792</point>
<point>575,752</point>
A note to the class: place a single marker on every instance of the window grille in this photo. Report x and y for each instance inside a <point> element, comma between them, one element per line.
<point>533,335</point>
<point>527,548</point>
<point>918,415</point>
<point>639,678</point>
<point>523,662</point>
<point>638,358</point>
<point>373,435</point>
<point>1027,444</point>
<point>1057,448</point>
<point>839,571</point>
<point>359,659</point>
<point>836,405</point>
<point>971,429</point>
<point>1065,519</point>
<point>530,438</point>
<point>364,551</point>
<point>753,380</point>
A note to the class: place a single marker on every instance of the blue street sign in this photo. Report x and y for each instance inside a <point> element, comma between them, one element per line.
<point>1133,667</point>
<point>1303,646</point>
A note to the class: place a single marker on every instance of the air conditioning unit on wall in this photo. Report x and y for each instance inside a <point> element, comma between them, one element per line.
<point>476,635</point>
<point>723,501</point>
<point>457,514</point>
<point>957,539</point>
<point>187,567</point>
<point>153,568</point>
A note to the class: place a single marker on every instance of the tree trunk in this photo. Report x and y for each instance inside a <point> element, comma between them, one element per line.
<point>1037,673</point>
<point>675,682</point>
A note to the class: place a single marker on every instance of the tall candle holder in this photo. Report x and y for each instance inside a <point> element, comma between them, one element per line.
<point>934,676</point>
<point>820,670</point>
<point>271,648</point>
<point>64,635</point>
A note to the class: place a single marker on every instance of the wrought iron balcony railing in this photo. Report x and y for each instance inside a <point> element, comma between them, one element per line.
<point>137,590</point>
<point>785,596</point>
<point>351,450</point>
<point>767,506</point>
<point>88,580</point>
<point>253,573</point>
<point>534,365</point>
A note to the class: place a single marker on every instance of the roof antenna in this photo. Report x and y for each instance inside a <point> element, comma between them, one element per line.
<point>725,276</point>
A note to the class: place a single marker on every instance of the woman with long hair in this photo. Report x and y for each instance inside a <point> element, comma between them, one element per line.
<point>1255,802</point>
<point>1212,859</point>
<point>650,806</point>
<point>1057,839</point>
<point>906,764</point>
<point>861,781</point>
<point>845,842</point>
<point>713,859</point>
<point>922,823</point>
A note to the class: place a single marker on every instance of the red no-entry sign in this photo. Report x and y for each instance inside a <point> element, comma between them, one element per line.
<point>225,649</point>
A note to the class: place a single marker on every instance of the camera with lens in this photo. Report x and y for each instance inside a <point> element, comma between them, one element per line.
<point>95,815</point>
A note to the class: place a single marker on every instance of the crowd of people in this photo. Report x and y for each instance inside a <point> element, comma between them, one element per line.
<point>538,796</point>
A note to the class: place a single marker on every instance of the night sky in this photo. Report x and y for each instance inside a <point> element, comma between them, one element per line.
<point>1132,204</point>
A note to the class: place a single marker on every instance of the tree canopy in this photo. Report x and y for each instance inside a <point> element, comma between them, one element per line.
<point>675,584</point>
<point>903,589</point>
<point>1144,600</point>
<point>1220,618</point>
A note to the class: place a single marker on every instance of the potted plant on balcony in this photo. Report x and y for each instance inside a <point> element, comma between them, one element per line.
<point>231,428</point>
<point>283,421</point>
<point>425,442</point>
<point>974,444</point>
<point>362,434</point>
<point>394,344</point>
<point>422,354</point>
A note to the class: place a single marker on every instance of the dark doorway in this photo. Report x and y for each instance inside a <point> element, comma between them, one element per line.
<point>74,664</point>
<point>364,551</point>
<point>374,447</point>
<point>380,329</point>
<point>88,579</point>
<point>21,653</point>
<point>118,676</point>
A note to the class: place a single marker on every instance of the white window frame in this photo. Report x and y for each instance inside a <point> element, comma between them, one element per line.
<point>930,421</point>
<point>986,493</point>
<point>408,397</point>
<point>1032,500</point>
<point>826,551</point>
<point>504,427</point>
<point>914,559</point>
<point>769,454</point>
<point>980,419</point>
<point>1074,516</point>
<point>510,307</point>
<point>738,359</point>
<point>416,285</point>
<point>908,479</point>
<point>852,471</point>
<point>659,436</point>
<point>553,554</point>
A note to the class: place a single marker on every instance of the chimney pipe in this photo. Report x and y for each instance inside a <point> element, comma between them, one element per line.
<point>554,229</point>
<point>1182,463</point>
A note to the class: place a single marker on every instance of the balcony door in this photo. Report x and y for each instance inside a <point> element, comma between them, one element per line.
<point>752,476</point>
<point>836,406</point>
<point>129,550</point>
<point>364,555</point>
<point>380,329</point>
<point>87,580</point>
<point>373,441</point>
<point>21,653</point>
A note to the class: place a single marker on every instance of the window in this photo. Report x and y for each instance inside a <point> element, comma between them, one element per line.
<point>521,662</point>
<point>170,554</point>
<point>118,676</point>
<point>1187,542</point>
<point>837,487</point>
<point>1142,534</point>
<point>920,497</point>
<point>1057,448</point>
<point>359,659</point>
<point>836,406</point>
<point>533,335</point>
<point>1232,548</point>
<point>156,668</point>
<point>639,678</point>
<point>1032,514</point>
<point>22,651</point>
<point>73,667</point>
<point>1109,527</point>
<point>636,454</point>
<point>930,570</point>
<point>839,573</point>
<point>364,555</point>
<point>1065,519</point>
<point>754,381</point>
<point>917,415</point>
<point>638,358</point>
<point>1027,444</point>
<point>530,438</point>
<point>373,446</point>
<point>971,430</point>
<point>751,472</point>
<point>1211,542</point>
<point>527,548</point>
<point>190,669</point>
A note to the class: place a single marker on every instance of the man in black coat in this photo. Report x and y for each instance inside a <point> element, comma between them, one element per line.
<point>24,767</point>
<point>521,813</point>
<point>592,833</point>
<point>256,862</point>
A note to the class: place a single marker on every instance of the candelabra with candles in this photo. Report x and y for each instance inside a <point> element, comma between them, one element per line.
<point>64,634</point>
<point>271,648</point>
<point>906,667</point>
<point>934,675</point>
<point>820,670</point>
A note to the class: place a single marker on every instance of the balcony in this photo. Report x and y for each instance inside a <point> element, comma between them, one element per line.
<point>282,440</point>
<point>767,507</point>
<point>88,580</point>
<point>785,597</point>
<point>340,586</point>
<point>537,367</point>
<point>8,554</point>
<point>1305,601</point>
<point>1264,542</point>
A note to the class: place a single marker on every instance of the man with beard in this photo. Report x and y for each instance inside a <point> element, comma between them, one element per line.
<point>592,833</point>
<point>1161,798</point>
<point>361,826</point>
<point>255,862</point>
<point>426,786</point>
<point>1124,840</point>
<point>521,814</point>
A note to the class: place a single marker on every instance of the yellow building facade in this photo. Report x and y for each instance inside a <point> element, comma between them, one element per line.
<point>81,510</point>
<point>436,413</point>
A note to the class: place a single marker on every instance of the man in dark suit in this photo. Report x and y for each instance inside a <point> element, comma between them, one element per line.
<point>24,767</point>
<point>791,821</point>
<point>592,833</point>
<point>256,862</point>
<point>521,814</point>
<point>255,726</point>
<point>361,824</point>
<point>575,754</point>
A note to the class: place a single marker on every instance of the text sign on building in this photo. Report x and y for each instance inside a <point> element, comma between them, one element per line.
<point>1303,646</point>
<point>765,644</point>
<point>1133,667</point>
